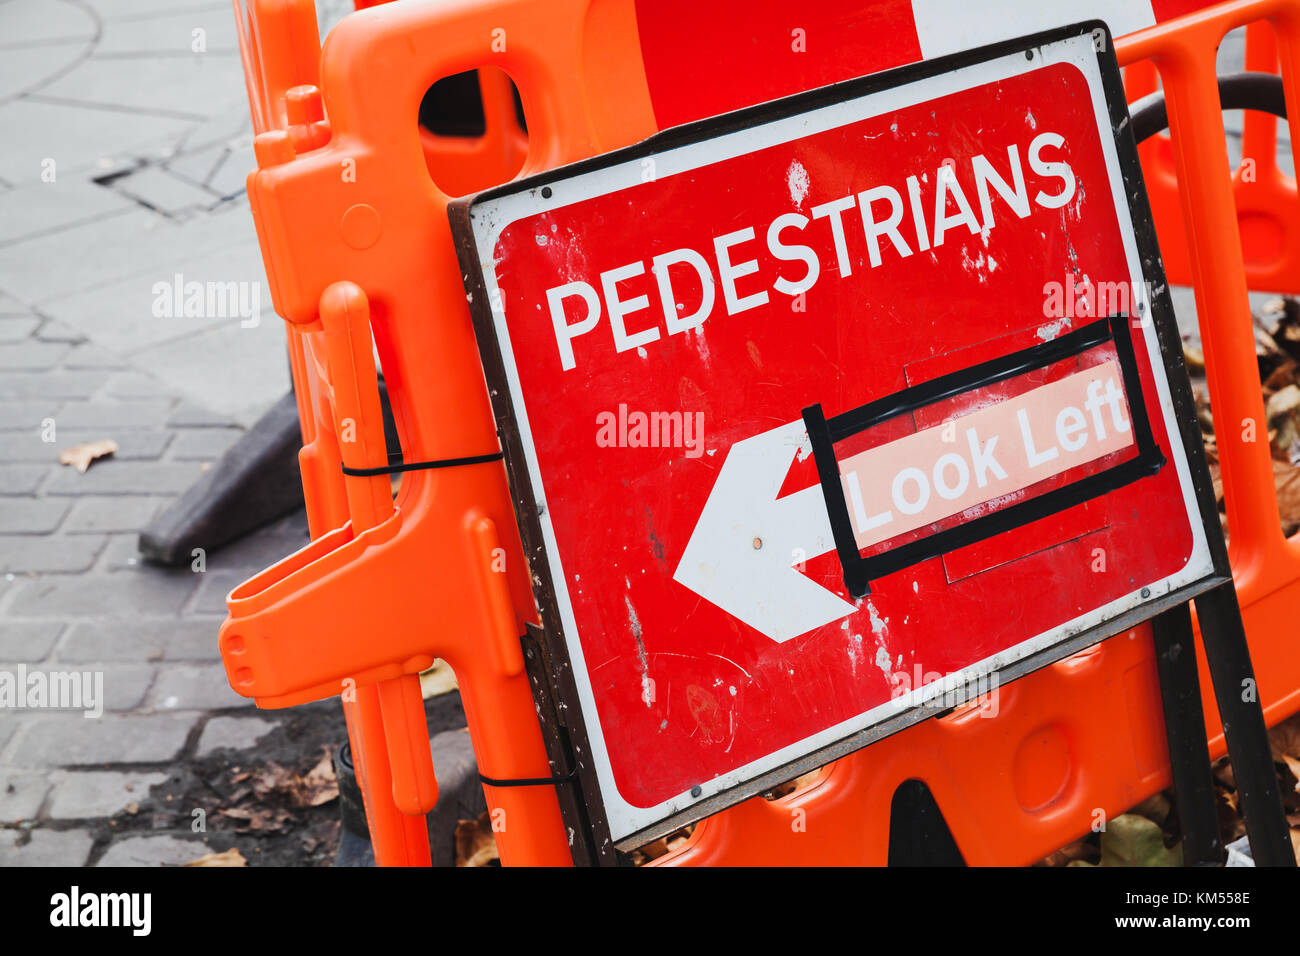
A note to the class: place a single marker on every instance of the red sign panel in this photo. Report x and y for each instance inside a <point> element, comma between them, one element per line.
<point>824,414</point>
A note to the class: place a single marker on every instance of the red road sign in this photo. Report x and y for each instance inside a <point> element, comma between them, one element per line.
<point>909,275</point>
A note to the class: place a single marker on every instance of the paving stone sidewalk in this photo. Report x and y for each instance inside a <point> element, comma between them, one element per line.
<point>122,162</point>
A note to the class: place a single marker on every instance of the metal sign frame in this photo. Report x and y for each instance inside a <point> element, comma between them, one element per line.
<point>560,697</point>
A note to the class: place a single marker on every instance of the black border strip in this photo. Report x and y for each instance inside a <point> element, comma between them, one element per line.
<point>859,571</point>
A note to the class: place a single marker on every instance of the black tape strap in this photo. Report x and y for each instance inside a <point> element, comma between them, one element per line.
<point>530,781</point>
<point>823,432</point>
<point>421,465</point>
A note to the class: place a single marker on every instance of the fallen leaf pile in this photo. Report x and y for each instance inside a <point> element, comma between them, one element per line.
<point>1277,351</point>
<point>475,844</point>
<point>253,811</point>
<point>1150,834</point>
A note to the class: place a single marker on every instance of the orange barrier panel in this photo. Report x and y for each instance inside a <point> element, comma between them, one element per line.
<point>343,194</point>
<point>1265,196</point>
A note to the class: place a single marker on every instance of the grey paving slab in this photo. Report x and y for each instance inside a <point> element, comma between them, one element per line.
<point>199,165</point>
<point>8,727</point>
<point>10,306</point>
<point>214,587</point>
<point>132,444</point>
<point>81,383</point>
<point>31,515</point>
<point>187,414</point>
<point>153,851</point>
<point>31,354</point>
<point>237,733</point>
<point>194,687</point>
<point>122,595</point>
<point>90,355</point>
<point>196,87</point>
<point>195,640</point>
<point>21,479</point>
<point>83,794</point>
<point>205,444</point>
<point>137,639</point>
<point>26,414</point>
<point>255,372</point>
<point>71,740</point>
<point>52,330</point>
<point>125,685</point>
<point>79,140</point>
<point>49,207</point>
<point>29,641</point>
<point>27,22</point>
<point>122,553</point>
<point>222,129</point>
<point>110,11</point>
<point>21,794</point>
<point>100,515</point>
<point>134,384</point>
<point>125,414</point>
<point>106,250</point>
<point>130,303</point>
<point>16,328</point>
<point>45,847</point>
<point>230,178</point>
<point>160,190</point>
<point>170,33</point>
<point>111,477</point>
<point>42,554</point>
<point>27,69</point>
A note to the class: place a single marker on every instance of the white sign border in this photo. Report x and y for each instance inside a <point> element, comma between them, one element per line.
<point>492,216</point>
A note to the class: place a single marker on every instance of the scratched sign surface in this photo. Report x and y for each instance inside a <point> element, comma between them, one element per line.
<point>662,318</point>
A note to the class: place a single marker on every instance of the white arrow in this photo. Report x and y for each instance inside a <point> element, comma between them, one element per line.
<point>742,551</point>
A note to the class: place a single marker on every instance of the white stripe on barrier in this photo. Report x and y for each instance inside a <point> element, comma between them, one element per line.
<point>948,26</point>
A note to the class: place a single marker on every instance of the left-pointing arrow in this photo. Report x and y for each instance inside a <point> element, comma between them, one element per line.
<point>741,554</point>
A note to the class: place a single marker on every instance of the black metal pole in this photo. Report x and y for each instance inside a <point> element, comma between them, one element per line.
<point>1224,637</point>
<point>1189,754</point>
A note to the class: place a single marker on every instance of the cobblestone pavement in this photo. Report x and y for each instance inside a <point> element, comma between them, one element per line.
<point>124,150</point>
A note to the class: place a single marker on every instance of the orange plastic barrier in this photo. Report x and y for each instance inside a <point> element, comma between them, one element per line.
<point>1264,194</point>
<point>355,239</point>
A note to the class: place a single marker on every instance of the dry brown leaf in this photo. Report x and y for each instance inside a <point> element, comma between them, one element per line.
<point>1281,377</point>
<point>80,456</point>
<point>1294,766</point>
<point>439,679</point>
<point>319,786</point>
<point>1286,483</point>
<point>265,819</point>
<point>231,857</point>
<point>475,845</point>
<point>1078,850</point>
<point>1223,773</point>
<point>653,851</point>
<point>1285,737</point>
